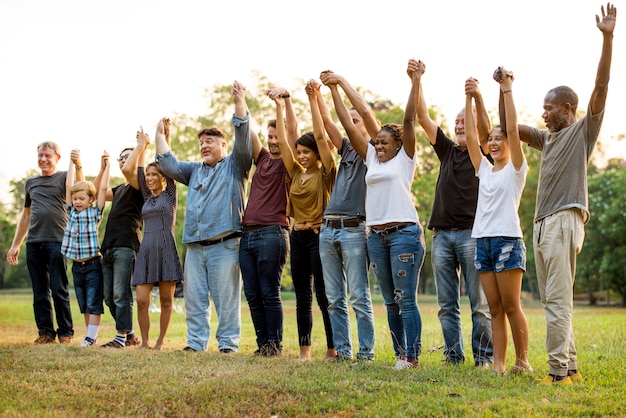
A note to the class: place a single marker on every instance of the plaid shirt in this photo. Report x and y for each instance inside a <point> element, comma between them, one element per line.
<point>80,240</point>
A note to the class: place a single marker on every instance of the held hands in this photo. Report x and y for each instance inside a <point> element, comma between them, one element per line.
<point>329,78</point>
<point>415,67</point>
<point>75,156</point>
<point>471,87</point>
<point>312,87</point>
<point>505,78</point>
<point>104,160</point>
<point>238,91</point>
<point>275,93</point>
<point>607,23</point>
<point>142,138</point>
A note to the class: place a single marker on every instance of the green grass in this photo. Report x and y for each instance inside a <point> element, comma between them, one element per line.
<point>59,380</point>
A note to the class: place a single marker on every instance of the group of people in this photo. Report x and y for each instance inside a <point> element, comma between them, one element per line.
<point>335,219</point>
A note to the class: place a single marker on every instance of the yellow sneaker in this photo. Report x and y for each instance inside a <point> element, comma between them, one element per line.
<point>576,377</point>
<point>549,381</point>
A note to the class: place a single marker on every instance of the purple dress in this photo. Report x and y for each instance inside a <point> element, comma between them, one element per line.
<point>157,259</point>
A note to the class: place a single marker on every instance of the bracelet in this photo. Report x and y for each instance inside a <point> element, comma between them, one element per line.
<point>79,167</point>
<point>285,95</point>
<point>506,91</point>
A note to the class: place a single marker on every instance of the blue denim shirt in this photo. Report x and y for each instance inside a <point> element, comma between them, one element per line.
<point>215,198</point>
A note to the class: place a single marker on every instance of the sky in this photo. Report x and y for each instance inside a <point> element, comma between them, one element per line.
<point>88,74</point>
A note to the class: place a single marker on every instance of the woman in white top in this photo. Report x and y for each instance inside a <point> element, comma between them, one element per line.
<point>500,252</point>
<point>395,243</point>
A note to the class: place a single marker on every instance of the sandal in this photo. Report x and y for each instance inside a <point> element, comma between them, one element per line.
<point>113,344</point>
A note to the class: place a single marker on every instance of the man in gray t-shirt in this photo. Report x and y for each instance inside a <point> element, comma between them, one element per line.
<point>561,211</point>
<point>43,219</point>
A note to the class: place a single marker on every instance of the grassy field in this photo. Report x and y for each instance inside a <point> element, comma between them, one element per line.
<point>56,380</point>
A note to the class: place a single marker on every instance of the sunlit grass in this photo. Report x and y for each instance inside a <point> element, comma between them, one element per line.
<point>59,380</point>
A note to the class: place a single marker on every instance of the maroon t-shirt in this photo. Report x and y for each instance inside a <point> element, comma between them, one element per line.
<point>267,202</point>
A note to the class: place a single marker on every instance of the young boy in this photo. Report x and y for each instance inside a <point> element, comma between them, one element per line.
<point>80,244</point>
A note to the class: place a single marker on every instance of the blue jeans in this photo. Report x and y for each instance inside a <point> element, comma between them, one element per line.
<point>262,257</point>
<point>47,269</point>
<point>397,260</point>
<point>88,286</point>
<point>452,253</point>
<point>344,263</point>
<point>213,271</point>
<point>306,266</point>
<point>117,270</point>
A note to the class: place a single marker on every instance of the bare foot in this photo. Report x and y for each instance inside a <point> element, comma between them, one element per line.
<point>331,353</point>
<point>144,346</point>
<point>305,353</point>
<point>159,345</point>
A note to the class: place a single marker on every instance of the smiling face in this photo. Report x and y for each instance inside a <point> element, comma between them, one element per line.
<point>459,129</point>
<point>386,145</point>
<point>123,157</point>
<point>154,180</point>
<point>306,156</point>
<point>212,148</point>
<point>47,159</point>
<point>498,145</point>
<point>272,142</point>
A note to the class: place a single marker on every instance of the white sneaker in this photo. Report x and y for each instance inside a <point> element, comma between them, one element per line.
<point>87,342</point>
<point>402,364</point>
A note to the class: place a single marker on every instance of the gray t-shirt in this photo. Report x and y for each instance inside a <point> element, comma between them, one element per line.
<point>45,196</point>
<point>348,197</point>
<point>564,160</point>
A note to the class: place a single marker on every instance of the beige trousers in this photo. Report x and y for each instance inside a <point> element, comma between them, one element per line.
<point>558,238</point>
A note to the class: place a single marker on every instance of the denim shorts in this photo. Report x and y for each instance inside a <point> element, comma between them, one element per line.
<point>499,254</point>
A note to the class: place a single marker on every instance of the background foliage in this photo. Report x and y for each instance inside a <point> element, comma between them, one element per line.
<point>601,276</point>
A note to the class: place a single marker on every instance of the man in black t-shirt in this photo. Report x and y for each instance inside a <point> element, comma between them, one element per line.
<point>119,249</point>
<point>451,221</point>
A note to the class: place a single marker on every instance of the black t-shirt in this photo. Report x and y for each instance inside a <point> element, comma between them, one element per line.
<point>123,227</point>
<point>456,193</point>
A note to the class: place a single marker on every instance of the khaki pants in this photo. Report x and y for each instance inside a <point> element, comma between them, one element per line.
<point>558,239</point>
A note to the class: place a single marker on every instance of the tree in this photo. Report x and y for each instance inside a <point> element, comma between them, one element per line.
<point>602,263</point>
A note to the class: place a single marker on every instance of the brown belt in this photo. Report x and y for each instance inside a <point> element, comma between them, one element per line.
<point>338,223</point>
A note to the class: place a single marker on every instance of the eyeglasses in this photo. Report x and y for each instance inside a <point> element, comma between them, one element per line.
<point>123,158</point>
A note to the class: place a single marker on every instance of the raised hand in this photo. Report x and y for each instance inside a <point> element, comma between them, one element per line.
<point>142,138</point>
<point>312,87</point>
<point>328,78</point>
<point>606,24</point>
<point>415,66</point>
<point>277,92</point>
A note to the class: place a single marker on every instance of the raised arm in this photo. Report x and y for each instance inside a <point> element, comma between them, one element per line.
<point>512,131</point>
<point>482,118</point>
<point>355,135</point>
<point>473,148</point>
<point>291,121</point>
<point>358,141</point>
<point>70,179</point>
<point>606,24</point>
<point>415,69</point>
<point>423,118</point>
<point>98,180</point>
<point>104,184</point>
<point>333,131</point>
<point>286,151</point>
<point>75,156</point>
<point>312,91</point>
<point>136,159</point>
